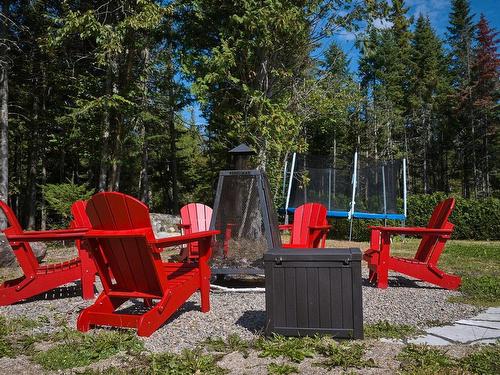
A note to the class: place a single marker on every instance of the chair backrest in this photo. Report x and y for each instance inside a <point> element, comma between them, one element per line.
<point>135,268</point>
<point>309,214</point>
<point>25,256</point>
<point>438,220</point>
<point>80,218</point>
<point>196,218</point>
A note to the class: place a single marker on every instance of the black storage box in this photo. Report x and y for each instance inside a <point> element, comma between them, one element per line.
<point>314,291</point>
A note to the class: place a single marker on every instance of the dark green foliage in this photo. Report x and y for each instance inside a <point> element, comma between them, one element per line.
<point>387,330</point>
<point>474,219</point>
<point>60,197</point>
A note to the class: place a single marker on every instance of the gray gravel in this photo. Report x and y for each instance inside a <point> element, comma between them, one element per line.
<point>405,302</point>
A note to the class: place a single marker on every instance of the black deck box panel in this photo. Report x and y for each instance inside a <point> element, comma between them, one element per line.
<point>314,291</point>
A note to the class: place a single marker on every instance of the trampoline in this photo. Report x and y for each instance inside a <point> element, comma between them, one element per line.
<point>351,188</point>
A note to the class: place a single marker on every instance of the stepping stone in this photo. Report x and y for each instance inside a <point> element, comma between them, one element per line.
<point>429,340</point>
<point>492,314</point>
<point>480,323</point>
<point>464,334</point>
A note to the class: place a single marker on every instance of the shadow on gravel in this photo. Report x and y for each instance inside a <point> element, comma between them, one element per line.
<point>402,282</point>
<point>62,292</point>
<point>253,320</point>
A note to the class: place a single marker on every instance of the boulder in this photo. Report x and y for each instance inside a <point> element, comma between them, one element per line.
<point>7,257</point>
<point>164,223</point>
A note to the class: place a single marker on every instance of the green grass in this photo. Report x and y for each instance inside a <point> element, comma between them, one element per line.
<point>233,343</point>
<point>477,262</point>
<point>282,369</point>
<point>11,337</point>
<point>79,350</point>
<point>384,329</point>
<point>296,349</point>
<point>187,363</point>
<point>345,354</point>
<point>423,360</point>
<point>484,361</point>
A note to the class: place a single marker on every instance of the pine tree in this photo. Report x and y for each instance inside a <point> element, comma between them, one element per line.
<point>384,76</point>
<point>485,96</point>
<point>460,39</point>
<point>427,89</point>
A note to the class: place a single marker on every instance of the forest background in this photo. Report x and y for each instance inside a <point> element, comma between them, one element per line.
<point>100,95</point>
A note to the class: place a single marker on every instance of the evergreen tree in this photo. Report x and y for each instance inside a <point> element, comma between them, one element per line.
<point>428,88</point>
<point>460,39</point>
<point>485,96</point>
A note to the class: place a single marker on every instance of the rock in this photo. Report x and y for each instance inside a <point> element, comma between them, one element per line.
<point>7,257</point>
<point>164,222</point>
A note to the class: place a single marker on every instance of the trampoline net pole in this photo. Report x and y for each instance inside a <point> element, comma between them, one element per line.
<point>292,170</point>
<point>384,195</point>
<point>353,195</point>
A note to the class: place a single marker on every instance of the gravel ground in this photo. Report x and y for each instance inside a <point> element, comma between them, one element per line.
<point>405,302</point>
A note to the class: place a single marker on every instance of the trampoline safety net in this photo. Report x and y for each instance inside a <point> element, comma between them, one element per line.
<point>245,215</point>
<point>379,185</point>
<point>322,180</point>
<point>378,188</point>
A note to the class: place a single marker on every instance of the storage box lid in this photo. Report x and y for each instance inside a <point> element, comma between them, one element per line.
<point>329,254</point>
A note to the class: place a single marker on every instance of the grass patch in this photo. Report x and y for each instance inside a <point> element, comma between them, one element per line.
<point>282,369</point>
<point>187,363</point>
<point>422,359</point>
<point>384,329</point>
<point>477,262</point>
<point>11,340</point>
<point>481,291</point>
<point>485,361</point>
<point>233,343</point>
<point>78,349</point>
<point>296,349</point>
<point>345,355</point>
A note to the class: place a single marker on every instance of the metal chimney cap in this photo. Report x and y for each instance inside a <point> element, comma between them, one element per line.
<point>242,149</point>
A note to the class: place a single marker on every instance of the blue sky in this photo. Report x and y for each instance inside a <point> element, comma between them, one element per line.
<point>438,12</point>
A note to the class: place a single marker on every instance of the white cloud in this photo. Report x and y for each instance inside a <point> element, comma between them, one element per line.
<point>381,23</point>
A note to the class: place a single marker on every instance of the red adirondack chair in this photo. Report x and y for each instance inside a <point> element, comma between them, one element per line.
<point>122,242</point>
<point>424,265</point>
<point>309,228</point>
<point>39,278</point>
<point>196,217</point>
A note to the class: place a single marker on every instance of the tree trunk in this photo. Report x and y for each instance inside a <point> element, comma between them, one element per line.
<point>4,117</point>
<point>4,134</point>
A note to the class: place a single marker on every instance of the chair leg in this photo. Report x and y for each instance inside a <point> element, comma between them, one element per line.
<point>87,281</point>
<point>382,277</point>
<point>205,294</point>
<point>103,304</point>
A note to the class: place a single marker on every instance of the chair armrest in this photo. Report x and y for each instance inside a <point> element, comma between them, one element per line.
<point>413,230</point>
<point>118,233</point>
<point>285,226</point>
<point>179,240</point>
<point>320,227</point>
<point>48,235</point>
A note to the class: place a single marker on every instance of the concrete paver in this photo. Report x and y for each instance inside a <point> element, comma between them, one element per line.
<point>481,329</point>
